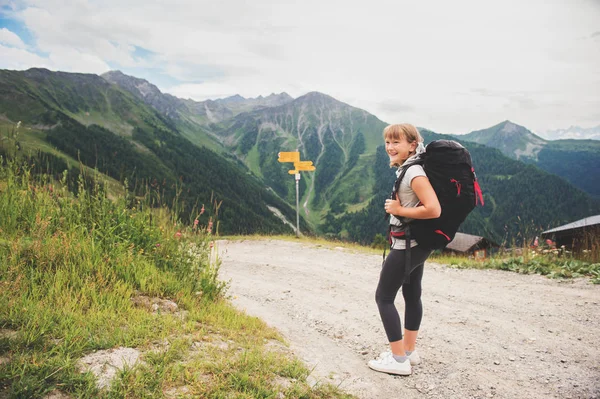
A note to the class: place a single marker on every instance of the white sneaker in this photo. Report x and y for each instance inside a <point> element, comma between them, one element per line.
<point>413,357</point>
<point>387,364</point>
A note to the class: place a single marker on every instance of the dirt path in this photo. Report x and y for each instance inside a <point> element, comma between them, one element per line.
<point>484,334</point>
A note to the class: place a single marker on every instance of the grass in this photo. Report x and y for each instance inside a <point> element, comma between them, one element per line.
<point>31,140</point>
<point>70,267</point>
<point>550,263</point>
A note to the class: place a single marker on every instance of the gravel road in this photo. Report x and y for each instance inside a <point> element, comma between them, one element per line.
<point>485,333</point>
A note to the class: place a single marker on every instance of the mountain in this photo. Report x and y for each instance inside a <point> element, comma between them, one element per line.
<point>578,161</point>
<point>339,139</point>
<point>86,118</point>
<point>513,140</point>
<point>573,132</point>
<point>191,117</point>
<point>238,104</point>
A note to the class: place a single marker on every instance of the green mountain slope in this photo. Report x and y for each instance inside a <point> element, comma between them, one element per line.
<point>132,141</point>
<point>578,161</point>
<point>339,139</point>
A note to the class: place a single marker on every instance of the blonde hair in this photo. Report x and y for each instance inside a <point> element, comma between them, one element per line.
<point>401,131</point>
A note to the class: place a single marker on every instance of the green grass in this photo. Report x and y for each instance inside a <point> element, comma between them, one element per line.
<point>553,264</point>
<point>107,120</point>
<point>252,160</point>
<point>70,266</point>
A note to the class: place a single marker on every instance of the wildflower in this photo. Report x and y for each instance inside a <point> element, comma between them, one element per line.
<point>157,245</point>
<point>195,224</point>
<point>212,243</point>
<point>202,210</point>
<point>209,228</point>
<point>178,234</point>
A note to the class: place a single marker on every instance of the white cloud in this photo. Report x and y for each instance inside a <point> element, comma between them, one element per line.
<point>10,38</point>
<point>15,58</point>
<point>450,66</point>
<point>61,60</point>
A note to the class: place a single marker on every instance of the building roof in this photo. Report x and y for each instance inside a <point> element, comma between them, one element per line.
<point>463,242</point>
<point>589,221</point>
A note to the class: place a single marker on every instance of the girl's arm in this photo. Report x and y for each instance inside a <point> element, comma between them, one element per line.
<point>430,206</point>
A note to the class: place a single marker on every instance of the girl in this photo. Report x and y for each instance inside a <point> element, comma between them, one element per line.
<point>415,199</point>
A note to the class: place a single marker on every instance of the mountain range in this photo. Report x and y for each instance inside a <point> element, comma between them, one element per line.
<point>224,153</point>
<point>573,132</point>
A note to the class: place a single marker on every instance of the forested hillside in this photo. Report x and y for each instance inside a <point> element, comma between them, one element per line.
<point>578,161</point>
<point>146,150</point>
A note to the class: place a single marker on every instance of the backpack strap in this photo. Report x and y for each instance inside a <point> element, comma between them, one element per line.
<point>399,179</point>
<point>407,250</point>
<point>406,232</point>
<point>397,183</point>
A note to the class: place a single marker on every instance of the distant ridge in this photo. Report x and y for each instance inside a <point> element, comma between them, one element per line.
<point>574,132</point>
<point>513,140</point>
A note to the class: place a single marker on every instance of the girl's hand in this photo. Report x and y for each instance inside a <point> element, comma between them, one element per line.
<point>393,207</point>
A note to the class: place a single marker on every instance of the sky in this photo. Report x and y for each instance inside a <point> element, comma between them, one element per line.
<point>450,66</point>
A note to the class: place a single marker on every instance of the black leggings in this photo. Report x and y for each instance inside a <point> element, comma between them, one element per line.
<point>390,280</point>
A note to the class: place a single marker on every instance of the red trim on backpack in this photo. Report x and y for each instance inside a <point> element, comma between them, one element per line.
<point>397,233</point>
<point>394,234</point>
<point>478,193</point>
<point>442,233</point>
<point>458,186</point>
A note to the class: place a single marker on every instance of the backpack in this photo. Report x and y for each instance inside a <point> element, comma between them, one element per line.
<point>450,171</point>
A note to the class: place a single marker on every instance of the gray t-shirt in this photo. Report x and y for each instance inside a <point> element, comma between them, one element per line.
<point>409,199</point>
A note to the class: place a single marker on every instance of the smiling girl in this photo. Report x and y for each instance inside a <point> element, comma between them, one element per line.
<point>415,199</point>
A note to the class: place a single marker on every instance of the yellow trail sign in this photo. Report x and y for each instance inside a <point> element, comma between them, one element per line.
<point>302,163</point>
<point>293,172</point>
<point>293,156</point>
<point>304,167</point>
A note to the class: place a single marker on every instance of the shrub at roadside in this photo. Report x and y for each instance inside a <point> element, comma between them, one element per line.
<point>548,265</point>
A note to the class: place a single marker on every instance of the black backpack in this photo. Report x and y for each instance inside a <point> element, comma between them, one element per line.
<point>451,174</point>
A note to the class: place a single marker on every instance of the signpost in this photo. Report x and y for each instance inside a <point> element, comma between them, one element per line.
<point>299,165</point>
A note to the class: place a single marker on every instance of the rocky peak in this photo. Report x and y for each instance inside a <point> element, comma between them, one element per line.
<point>139,87</point>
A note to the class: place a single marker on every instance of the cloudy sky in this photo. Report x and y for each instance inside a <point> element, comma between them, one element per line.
<point>450,66</point>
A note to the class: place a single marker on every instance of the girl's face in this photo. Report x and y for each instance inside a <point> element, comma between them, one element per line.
<point>399,149</point>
